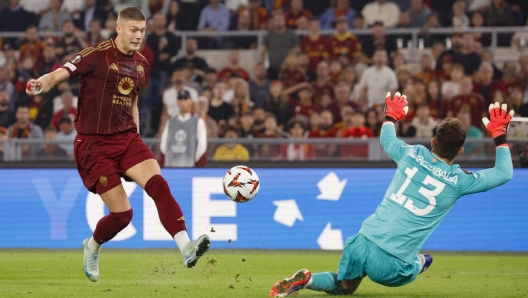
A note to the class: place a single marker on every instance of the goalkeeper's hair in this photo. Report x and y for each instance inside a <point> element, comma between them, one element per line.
<point>449,138</point>
<point>131,13</point>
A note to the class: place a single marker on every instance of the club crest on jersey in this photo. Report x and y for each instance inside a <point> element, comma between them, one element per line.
<point>77,59</point>
<point>103,181</point>
<point>140,71</point>
<point>125,86</point>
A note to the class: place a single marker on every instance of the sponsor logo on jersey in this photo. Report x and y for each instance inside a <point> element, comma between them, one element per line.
<point>140,71</point>
<point>77,59</point>
<point>113,66</point>
<point>125,86</point>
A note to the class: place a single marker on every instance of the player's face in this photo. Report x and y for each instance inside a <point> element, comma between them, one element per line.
<point>132,34</point>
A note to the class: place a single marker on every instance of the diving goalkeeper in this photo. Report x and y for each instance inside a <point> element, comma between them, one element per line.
<point>424,189</point>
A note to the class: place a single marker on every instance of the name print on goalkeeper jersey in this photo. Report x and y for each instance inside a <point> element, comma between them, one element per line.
<point>421,194</point>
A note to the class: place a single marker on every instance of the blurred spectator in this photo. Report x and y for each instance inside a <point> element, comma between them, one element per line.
<point>246,126</point>
<point>68,109</point>
<point>235,5</point>
<point>209,78</point>
<point>509,69</point>
<point>258,15</point>
<point>117,5</point>
<point>240,99</point>
<point>71,41</point>
<point>3,149</point>
<point>349,76</point>
<point>472,132</point>
<point>451,88</point>
<point>219,110</point>
<point>424,123</point>
<point>57,101</point>
<point>297,152</point>
<point>381,10</point>
<point>418,13</point>
<point>487,56</point>
<point>24,129</point>
<point>372,121</point>
<point>35,102</point>
<point>477,21</point>
<point>94,34</point>
<point>342,99</point>
<point>290,74</point>
<point>377,80</point>
<point>460,19</point>
<point>325,129</point>
<point>259,115</point>
<point>202,110</point>
<point>378,40</point>
<point>343,42</point>
<point>268,151</point>
<point>259,87</point>
<point>278,43</point>
<point>357,130</point>
<point>38,7</point>
<point>16,18</point>
<point>233,67</point>
<point>303,62</point>
<point>522,76</point>
<point>66,132</point>
<point>437,106</point>
<point>184,137</point>
<point>7,116</point>
<point>190,56</point>
<point>304,106</point>
<point>487,84</point>
<point>467,56</point>
<point>49,62</point>
<point>109,29</point>
<point>73,7</point>
<point>90,11</point>
<point>277,104</point>
<point>499,13</point>
<point>51,151</point>
<point>192,76</point>
<point>323,83</point>
<point>519,40</point>
<point>25,73</point>
<point>53,19</point>
<point>296,13</point>
<point>468,101</point>
<point>33,47</point>
<point>447,55</point>
<point>426,72</point>
<point>241,42</point>
<point>6,85</point>
<point>433,22</point>
<point>175,17</point>
<point>404,21</point>
<point>342,8</point>
<point>231,151</point>
<point>315,45</point>
<point>398,61</point>
<point>214,17</point>
<point>171,107</point>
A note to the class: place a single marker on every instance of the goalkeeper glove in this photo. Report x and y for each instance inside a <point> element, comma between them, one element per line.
<point>395,108</point>
<point>497,124</point>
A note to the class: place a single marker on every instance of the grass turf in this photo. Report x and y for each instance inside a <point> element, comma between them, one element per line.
<point>242,273</point>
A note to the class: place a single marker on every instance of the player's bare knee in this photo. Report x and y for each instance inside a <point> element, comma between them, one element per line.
<point>348,287</point>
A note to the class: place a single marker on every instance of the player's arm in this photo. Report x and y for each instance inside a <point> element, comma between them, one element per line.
<point>502,172</point>
<point>46,82</point>
<point>135,113</point>
<point>395,109</point>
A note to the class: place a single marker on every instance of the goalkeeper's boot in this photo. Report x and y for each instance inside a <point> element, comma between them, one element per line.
<point>427,260</point>
<point>91,262</point>
<point>194,250</point>
<point>291,285</point>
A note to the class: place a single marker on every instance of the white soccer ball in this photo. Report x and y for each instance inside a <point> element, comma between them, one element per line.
<point>241,184</point>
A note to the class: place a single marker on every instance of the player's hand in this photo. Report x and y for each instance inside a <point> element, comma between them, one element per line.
<point>396,107</point>
<point>497,124</point>
<point>34,87</point>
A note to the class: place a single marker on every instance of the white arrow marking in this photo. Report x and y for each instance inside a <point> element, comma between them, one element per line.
<point>330,239</point>
<point>330,187</point>
<point>287,212</point>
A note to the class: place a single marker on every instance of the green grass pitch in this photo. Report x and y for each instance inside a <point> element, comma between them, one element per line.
<point>242,273</point>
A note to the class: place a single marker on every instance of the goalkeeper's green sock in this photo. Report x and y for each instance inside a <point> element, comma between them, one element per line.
<point>325,282</point>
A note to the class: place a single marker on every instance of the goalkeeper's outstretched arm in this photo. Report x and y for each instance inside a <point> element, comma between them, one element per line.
<point>395,109</point>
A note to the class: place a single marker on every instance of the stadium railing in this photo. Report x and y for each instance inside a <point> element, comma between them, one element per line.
<point>414,33</point>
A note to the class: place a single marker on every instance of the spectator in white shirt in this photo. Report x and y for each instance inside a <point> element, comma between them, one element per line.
<point>170,103</point>
<point>377,80</point>
<point>66,132</point>
<point>381,10</point>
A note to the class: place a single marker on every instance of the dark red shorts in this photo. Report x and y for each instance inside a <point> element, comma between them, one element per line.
<point>103,159</point>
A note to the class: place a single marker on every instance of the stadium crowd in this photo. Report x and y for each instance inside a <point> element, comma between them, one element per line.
<point>311,86</point>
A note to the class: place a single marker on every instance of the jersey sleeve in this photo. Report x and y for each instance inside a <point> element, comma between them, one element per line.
<point>393,146</point>
<point>487,179</point>
<point>84,62</point>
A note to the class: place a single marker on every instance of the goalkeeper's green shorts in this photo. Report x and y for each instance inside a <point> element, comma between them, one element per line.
<point>362,257</point>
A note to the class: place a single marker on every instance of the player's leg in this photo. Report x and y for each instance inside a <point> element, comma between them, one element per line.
<point>148,175</point>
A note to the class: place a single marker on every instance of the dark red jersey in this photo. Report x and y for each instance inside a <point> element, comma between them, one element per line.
<point>110,84</point>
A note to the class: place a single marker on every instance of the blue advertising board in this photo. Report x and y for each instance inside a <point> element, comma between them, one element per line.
<point>295,209</point>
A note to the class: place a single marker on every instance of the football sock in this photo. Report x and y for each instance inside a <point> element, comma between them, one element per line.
<point>110,225</point>
<point>325,282</point>
<point>182,239</point>
<point>92,245</point>
<point>169,210</point>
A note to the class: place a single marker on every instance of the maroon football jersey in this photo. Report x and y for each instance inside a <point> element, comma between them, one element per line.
<point>110,84</point>
<point>473,103</point>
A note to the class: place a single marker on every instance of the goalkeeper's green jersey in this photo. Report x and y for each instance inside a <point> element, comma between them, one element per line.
<point>422,192</point>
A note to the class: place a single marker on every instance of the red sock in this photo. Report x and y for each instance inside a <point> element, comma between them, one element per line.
<point>169,210</point>
<point>110,225</point>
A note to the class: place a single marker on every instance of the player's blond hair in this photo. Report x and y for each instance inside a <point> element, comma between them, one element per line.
<point>131,13</point>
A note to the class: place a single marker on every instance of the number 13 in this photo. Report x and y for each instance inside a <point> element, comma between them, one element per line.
<point>429,194</point>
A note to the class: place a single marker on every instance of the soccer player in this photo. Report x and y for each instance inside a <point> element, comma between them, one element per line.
<point>108,145</point>
<point>422,192</point>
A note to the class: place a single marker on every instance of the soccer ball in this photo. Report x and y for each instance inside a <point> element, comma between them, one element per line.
<point>241,184</point>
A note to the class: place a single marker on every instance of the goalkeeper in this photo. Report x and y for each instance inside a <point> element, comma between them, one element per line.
<point>424,189</point>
